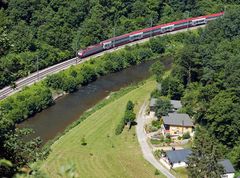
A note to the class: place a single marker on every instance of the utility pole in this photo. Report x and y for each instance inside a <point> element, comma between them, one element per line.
<point>151,27</point>
<point>76,47</point>
<point>114,35</point>
<point>225,9</point>
<point>37,70</point>
<point>114,30</point>
<point>187,18</point>
<point>76,59</point>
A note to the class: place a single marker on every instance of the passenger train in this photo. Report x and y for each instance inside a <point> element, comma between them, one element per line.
<point>146,33</point>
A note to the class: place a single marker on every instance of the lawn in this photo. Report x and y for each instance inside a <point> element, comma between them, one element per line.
<point>105,155</point>
<point>180,172</point>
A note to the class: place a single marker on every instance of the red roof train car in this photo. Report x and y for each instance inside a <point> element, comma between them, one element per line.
<point>146,33</point>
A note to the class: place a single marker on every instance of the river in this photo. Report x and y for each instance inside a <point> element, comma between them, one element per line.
<point>52,121</point>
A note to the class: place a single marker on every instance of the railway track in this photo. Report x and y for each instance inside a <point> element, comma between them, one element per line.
<point>40,75</point>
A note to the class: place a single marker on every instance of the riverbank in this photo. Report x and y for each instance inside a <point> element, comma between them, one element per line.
<point>68,108</point>
<point>105,155</point>
<point>33,99</point>
<point>21,106</point>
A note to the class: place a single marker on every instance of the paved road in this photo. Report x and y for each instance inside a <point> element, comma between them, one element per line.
<point>34,77</point>
<point>146,150</point>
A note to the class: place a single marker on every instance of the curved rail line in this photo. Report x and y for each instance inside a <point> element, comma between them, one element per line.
<point>37,76</point>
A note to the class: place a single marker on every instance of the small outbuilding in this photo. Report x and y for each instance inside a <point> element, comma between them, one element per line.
<point>178,158</point>
<point>152,104</point>
<point>176,104</point>
<point>229,170</point>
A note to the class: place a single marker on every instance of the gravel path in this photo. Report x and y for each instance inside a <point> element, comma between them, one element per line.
<point>142,139</point>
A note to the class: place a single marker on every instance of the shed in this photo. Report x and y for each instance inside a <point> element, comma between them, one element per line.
<point>152,104</point>
<point>176,104</point>
<point>228,168</point>
<point>176,158</point>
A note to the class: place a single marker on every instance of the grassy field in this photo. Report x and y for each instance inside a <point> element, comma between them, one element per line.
<point>180,172</point>
<point>105,155</point>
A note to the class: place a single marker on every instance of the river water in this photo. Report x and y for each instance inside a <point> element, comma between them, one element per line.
<point>52,121</point>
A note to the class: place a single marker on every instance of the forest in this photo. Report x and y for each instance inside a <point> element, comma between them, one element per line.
<point>53,30</point>
<point>206,78</point>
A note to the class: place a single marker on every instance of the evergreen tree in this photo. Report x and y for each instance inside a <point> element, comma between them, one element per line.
<point>162,107</point>
<point>203,162</point>
<point>158,70</point>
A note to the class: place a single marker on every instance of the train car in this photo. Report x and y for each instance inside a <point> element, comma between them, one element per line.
<point>146,33</point>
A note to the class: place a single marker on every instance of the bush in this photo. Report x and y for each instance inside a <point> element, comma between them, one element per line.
<point>161,138</point>
<point>129,116</point>
<point>155,142</point>
<point>186,135</point>
<point>120,128</point>
<point>158,153</point>
<point>155,93</point>
<point>152,128</point>
<point>156,124</point>
<point>130,106</point>
<point>168,136</point>
<point>167,140</point>
<point>83,141</point>
<point>157,172</point>
<point>157,45</point>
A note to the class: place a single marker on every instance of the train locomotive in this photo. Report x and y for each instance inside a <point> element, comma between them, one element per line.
<point>146,33</point>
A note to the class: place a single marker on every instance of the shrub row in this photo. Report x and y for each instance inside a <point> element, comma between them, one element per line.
<point>16,108</point>
<point>129,117</point>
<point>70,79</point>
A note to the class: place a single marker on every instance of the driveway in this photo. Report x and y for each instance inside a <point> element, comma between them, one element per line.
<point>142,139</point>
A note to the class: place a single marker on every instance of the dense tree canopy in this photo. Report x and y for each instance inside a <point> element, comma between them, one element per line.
<point>203,162</point>
<point>162,107</point>
<point>54,30</point>
<point>206,77</point>
<point>18,151</point>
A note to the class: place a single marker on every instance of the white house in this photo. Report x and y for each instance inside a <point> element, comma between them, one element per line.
<point>175,158</point>
<point>228,168</point>
<point>178,158</point>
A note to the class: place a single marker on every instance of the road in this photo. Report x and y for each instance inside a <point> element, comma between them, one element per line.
<point>37,76</point>
<point>146,150</point>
